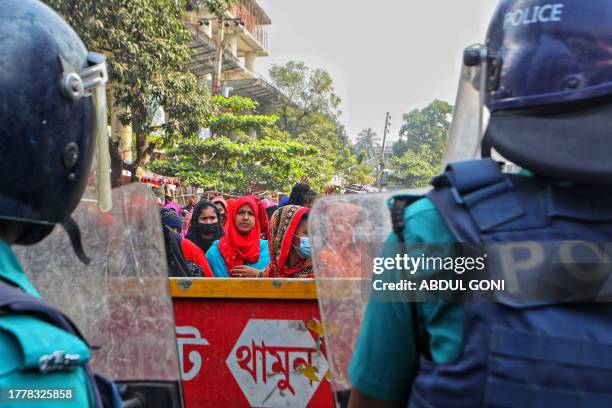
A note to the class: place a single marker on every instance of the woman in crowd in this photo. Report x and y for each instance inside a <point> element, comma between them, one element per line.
<point>184,258</point>
<point>219,201</point>
<point>205,227</point>
<point>302,195</point>
<point>290,244</point>
<point>240,252</point>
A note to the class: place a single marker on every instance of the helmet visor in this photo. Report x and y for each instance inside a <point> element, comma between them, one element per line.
<point>94,82</point>
<point>470,116</point>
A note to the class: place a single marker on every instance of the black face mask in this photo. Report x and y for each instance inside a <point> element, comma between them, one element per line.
<point>206,229</point>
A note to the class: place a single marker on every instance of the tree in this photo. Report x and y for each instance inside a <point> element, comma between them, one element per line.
<point>233,113</point>
<point>415,168</point>
<point>273,160</point>
<point>216,7</point>
<point>424,126</point>
<point>147,46</point>
<point>234,166</point>
<point>360,175</point>
<point>310,114</point>
<point>367,142</point>
<point>307,92</point>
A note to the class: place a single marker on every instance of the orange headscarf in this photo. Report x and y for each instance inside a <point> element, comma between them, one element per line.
<point>236,248</point>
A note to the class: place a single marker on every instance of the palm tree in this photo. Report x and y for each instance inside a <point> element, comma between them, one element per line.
<point>368,142</point>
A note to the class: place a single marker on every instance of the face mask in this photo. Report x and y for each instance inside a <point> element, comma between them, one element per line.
<point>206,229</point>
<point>304,250</point>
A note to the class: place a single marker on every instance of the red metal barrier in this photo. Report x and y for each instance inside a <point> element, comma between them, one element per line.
<point>250,343</point>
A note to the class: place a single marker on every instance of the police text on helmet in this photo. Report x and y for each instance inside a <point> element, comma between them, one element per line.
<point>532,15</point>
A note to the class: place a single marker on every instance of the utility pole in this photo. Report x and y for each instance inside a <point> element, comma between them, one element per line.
<point>216,86</point>
<point>224,23</point>
<point>381,164</point>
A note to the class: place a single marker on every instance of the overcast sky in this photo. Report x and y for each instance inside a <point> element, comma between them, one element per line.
<point>383,55</point>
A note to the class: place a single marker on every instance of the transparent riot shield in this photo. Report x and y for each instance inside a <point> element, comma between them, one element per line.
<point>121,300</point>
<point>344,232</point>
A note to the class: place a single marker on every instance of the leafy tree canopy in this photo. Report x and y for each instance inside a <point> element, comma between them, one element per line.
<point>415,168</point>
<point>147,46</point>
<point>308,92</point>
<point>235,113</point>
<point>424,126</point>
<point>222,164</point>
<point>216,7</point>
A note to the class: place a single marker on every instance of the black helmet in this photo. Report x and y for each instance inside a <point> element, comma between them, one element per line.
<point>52,106</point>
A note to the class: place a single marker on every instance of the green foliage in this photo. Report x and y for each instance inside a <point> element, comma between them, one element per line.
<point>216,7</point>
<point>234,164</point>
<point>233,114</point>
<point>424,126</point>
<point>360,175</point>
<point>417,156</point>
<point>147,45</point>
<point>415,168</point>
<point>307,91</point>
<point>310,115</point>
<point>367,143</point>
<point>273,161</point>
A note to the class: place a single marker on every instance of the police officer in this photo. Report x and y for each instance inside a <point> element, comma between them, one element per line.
<point>52,108</point>
<point>545,75</point>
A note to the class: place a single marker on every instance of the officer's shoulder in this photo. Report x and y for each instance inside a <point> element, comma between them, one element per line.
<point>421,207</point>
<point>25,339</point>
<point>423,222</point>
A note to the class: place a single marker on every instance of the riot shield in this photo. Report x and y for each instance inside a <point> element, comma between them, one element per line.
<point>344,230</point>
<point>121,300</point>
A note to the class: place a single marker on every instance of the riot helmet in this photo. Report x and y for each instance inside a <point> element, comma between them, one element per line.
<point>52,117</point>
<point>539,91</point>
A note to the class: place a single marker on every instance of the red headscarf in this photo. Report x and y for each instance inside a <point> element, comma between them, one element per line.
<point>283,225</point>
<point>230,202</point>
<point>236,248</point>
<point>264,222</point>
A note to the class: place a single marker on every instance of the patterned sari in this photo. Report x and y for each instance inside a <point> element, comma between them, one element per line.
<point>282,229</point>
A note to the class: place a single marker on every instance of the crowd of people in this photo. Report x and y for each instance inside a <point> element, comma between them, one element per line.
<point>247,237</point>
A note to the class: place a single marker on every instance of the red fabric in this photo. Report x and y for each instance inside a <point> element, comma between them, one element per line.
<point>283,225</point>
<point>228,204</point>
<point>236,248</point>
<point>264,222</point>
<point>194,253</point>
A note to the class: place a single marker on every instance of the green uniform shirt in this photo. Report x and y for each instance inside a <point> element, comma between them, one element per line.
<point>385,360</point>
<point>24,340</point>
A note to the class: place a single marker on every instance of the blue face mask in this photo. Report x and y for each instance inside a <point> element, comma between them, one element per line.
<point>304,250</point>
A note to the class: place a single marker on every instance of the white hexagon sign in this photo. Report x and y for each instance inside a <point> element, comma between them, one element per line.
<point>277,363</point>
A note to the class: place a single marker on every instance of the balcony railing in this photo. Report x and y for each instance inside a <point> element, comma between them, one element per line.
<point>254,21</point>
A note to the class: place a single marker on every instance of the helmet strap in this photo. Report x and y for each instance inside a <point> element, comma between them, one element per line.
<point>74,233</point>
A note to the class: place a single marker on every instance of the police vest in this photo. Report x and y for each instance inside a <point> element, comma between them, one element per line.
<point>521,355</point>
<point>36,356</point>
